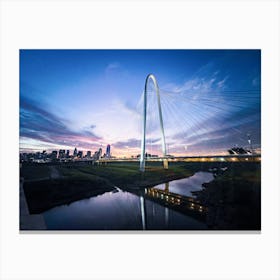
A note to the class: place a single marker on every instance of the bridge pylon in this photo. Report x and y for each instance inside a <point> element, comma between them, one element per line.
<point>143,142</point>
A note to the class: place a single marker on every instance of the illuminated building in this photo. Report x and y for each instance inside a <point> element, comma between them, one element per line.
<point>99,153</point>
<point>108,151</point>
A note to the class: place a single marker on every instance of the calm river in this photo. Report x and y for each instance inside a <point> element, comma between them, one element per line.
<point>121,210</point>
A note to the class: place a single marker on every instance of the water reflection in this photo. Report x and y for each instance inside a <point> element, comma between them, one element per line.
<point>187,185</point>
<point>153,208</point>
<point>181,203</point>
<point>166,216</point>
<point>143,212</point>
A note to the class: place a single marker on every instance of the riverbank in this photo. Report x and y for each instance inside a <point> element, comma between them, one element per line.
<point>48,186</point>
<point>48,192</point>
<point>43,190</point>
<point>233,199</point>
<point>28,221</point>
<point>128,177</point>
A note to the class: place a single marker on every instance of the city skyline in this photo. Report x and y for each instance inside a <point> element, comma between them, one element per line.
<point>92,98</point>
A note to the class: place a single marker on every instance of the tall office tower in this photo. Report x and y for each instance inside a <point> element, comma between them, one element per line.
<point>75,152</point>
<point>67,153</point>
<point>61,154</point>
<point>88,154</point>
<point>100,153</point>
<point>108,151</point>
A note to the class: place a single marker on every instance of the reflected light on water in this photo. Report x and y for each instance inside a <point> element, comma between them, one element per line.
<point>121,210</point>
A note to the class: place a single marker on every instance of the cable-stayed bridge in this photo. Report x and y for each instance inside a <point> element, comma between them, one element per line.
<point>198,118</point>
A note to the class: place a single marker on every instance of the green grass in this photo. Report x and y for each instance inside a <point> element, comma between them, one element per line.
<point>128,176</point>
<point>78,182</point>
<point>31,172</point>
<point>234,198</point>
<point>45,194</point>
<point>238,186</point>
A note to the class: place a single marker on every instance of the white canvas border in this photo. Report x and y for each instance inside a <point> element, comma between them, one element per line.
<point>139,24</point>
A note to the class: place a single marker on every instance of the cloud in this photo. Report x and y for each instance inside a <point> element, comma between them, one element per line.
<point>130,143</point>
<point>220,136</point>
<point>221,83</point>
<point>40,124</point>
<point>111,67</point>
<point>135,143</point>
<point>117,122</point>
<point>202,112</point>
<point>206,79</point>
<point>198,85</point>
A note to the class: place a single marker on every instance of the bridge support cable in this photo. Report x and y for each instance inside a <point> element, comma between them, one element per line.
<point>196,117</point>
<point>205,110</point>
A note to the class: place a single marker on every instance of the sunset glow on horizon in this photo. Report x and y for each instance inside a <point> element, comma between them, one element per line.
<point>91,98</point>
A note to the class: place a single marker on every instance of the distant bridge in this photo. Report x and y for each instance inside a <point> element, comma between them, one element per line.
<point>215,158</point>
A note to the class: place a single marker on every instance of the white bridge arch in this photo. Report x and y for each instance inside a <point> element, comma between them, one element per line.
<point>143,142</point>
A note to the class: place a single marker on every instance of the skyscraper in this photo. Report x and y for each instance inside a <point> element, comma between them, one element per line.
<point>108,151</point>
<point>61,154</point>
<point>88,154</point>
<point>75,152</point>
<point>80,154</point>
<point>99,153</point>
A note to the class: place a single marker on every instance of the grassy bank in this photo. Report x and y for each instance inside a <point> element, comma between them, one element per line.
<point>234,199</point>
<point>82,181</point>
<point>35,172</point>
<point>44,194</point>
<point>128,176</point>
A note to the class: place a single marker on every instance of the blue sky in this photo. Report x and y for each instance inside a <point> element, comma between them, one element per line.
<point>90,98</point>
